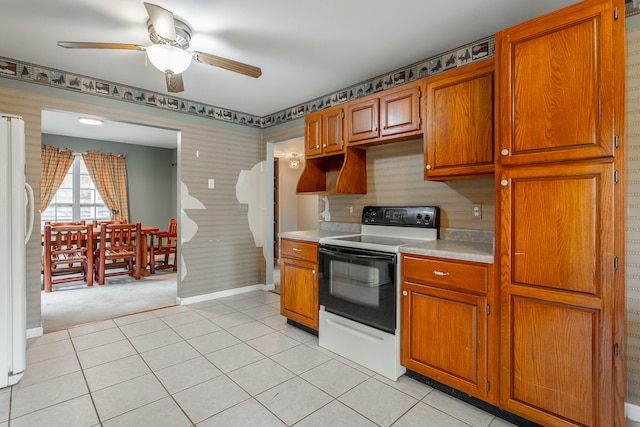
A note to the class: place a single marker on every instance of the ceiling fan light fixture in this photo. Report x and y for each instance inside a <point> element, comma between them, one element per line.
<point>168,58</point>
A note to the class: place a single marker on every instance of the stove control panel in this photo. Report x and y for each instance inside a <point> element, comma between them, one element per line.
<point>402,216</point>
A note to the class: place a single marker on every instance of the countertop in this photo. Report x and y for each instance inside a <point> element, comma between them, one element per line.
<point>312,235</point>
<point>452,249</point>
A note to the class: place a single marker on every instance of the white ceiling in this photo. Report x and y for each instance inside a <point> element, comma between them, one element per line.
<point>305,49</point>
<point>66,123</point>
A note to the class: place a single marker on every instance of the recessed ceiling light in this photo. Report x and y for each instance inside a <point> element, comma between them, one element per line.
<point>90,121</point>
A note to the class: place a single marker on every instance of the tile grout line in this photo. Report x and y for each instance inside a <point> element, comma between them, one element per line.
<point>154,374</point>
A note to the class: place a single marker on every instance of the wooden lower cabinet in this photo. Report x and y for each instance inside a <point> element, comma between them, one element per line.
<point>445,330</point>
<point>558,293</point>
<point>299,282</point>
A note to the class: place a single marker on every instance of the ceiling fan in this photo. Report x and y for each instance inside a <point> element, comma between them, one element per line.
<point>168,53</point>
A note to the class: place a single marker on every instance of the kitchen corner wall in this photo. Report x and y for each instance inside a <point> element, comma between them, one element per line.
<point>632,265</point>
<point>395,177</point>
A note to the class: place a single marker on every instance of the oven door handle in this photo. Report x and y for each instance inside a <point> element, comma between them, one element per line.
<point>387,258</point>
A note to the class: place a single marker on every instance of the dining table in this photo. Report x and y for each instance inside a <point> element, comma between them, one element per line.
<point>147,232</point>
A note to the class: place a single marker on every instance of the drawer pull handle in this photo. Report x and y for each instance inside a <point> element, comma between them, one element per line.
<point>440,273</point>
<point>297,250</point>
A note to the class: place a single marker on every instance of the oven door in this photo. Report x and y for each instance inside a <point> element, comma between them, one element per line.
<point>358,284</point>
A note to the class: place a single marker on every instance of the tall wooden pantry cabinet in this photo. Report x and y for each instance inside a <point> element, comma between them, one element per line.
<point>559,236</point>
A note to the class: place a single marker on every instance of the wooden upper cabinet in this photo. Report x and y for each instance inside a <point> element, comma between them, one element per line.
<point>557,84</point>
<point>333,130</point>
<point>313,134</point>
<point>389,115</point>
<point>362,119</point>
<point>324,132</point>
<point>400,111</point>
<point>458,137</point>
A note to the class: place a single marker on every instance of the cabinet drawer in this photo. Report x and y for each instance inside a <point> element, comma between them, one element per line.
<point>299,250</point>
<point>449,274</point>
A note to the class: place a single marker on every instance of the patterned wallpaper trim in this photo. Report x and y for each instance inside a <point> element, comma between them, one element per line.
<point>15,69</point>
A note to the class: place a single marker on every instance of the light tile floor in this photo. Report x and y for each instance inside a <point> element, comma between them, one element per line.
<point>229,362</point>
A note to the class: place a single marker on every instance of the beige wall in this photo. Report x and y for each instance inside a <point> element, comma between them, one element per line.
<point>395,177</point>
<point>632,257</point>
<point>222,255</point>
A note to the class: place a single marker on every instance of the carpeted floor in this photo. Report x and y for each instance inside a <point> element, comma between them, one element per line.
<point>75,303</point>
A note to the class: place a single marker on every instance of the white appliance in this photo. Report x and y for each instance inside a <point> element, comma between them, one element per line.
<point>15,230</point>
<point>358,285</point>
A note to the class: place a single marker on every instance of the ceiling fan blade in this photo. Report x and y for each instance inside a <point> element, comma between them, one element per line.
<point>94,45</point>
<point>174,82</point>
<point>162,21</point>
<point>227,64</point>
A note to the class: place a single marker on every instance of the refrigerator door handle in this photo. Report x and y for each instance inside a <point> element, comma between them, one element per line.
<point>29,191</point>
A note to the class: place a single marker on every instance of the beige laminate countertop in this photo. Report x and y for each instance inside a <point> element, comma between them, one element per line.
<point>452,249</point>
<point>312,235</point>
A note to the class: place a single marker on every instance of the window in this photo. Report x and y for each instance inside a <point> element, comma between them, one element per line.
<point>77,198</point>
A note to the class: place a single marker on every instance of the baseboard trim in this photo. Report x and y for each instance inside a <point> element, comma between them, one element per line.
<point>35,332</point>
<point>632,411</point>
<point>220,294</point>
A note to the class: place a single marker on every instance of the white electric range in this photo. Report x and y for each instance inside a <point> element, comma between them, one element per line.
<point>358,285</point>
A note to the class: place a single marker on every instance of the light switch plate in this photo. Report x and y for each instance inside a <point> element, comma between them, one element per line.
<point>211,183</point>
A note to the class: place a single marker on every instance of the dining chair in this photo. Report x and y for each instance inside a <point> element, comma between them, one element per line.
<point>118,249</point>
<point>67,256</point>
<point>164,244</point>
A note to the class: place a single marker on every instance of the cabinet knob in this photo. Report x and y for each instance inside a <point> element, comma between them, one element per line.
<point>313,272</point>
<point>428,167</point>
<point>504,182</point>
<point>504,152</point>
<point>324,145</point>
<point>404,293</point>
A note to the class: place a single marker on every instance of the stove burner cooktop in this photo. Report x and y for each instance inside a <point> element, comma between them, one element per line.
<point>387,228</point>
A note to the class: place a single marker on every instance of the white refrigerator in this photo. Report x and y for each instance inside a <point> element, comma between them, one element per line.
<point>16,225</point>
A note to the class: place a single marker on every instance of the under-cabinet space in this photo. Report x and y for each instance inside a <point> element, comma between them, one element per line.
<point>337,174</point>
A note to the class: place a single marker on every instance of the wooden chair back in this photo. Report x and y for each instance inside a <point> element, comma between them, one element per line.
<point>63,223</point>
<point>164,244</point>
<point>118,251</point>
<point>67,254</point>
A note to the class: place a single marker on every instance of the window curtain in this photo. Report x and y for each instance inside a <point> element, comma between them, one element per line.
<point>109,173</point>
<point>54,164</point>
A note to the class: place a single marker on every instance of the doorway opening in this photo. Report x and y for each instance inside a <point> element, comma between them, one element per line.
<point>151,156</point>
<point>291,212</point>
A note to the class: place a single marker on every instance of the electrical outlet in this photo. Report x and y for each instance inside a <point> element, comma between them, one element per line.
<point>476,211</point>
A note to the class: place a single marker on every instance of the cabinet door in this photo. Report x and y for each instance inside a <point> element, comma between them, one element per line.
<point>332,131</point>
<point>299,292</point>
<point>400,111</point>
<point>313,134</point>
<point>557,293</point>
<point>362,119</point>
<point>444,336</point>
<point>458,139</point>
<point>558,85</point>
